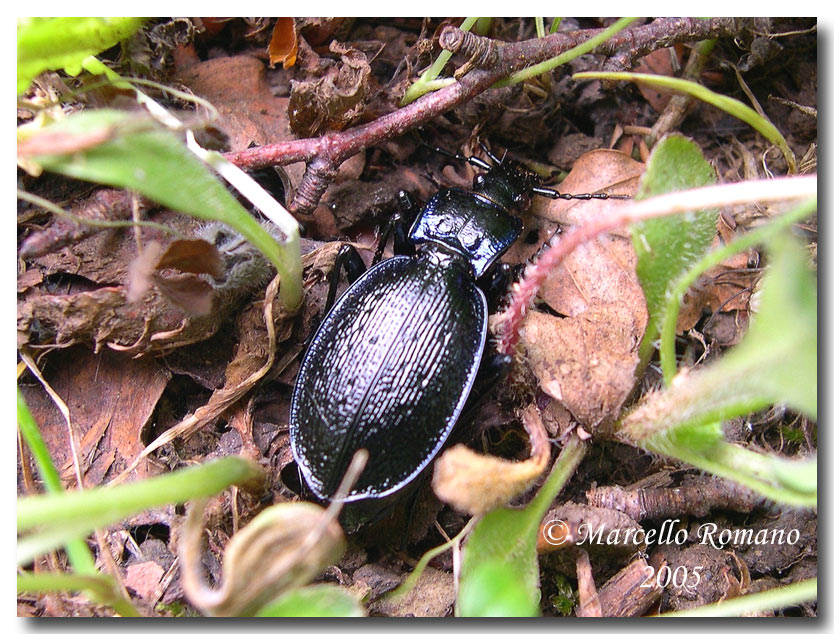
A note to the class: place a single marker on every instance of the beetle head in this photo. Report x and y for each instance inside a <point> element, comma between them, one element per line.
<point>508,184</point>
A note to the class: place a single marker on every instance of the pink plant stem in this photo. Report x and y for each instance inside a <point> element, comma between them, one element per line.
<point>524,291</point>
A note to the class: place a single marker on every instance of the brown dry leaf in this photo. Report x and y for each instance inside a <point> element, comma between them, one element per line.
<point>255,354</point>
<point>335,100</point>
<point>318,30</point>
<point>284,546</point>
<point>192,256</point>
<point>587,359</point>
<point>664,61</point>
<point>586,362</point>
<point>144,578</point>
<point>432,596</point>
<point>725,288</point>
<point>89,304</point>
<point>110,398</point>
<point>475,483</point>
<point>196,297</point>
<point>283,47</point>
<point>237,87</point>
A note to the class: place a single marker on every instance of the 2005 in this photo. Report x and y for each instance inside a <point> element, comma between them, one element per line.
<point>678,577</point>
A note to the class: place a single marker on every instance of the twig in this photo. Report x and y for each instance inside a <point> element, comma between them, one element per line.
<point>324,154</point>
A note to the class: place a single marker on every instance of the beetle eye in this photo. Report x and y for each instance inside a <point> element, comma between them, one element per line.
<point>479,180</point>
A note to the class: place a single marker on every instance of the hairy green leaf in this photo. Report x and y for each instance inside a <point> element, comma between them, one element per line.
<point>63,43</point>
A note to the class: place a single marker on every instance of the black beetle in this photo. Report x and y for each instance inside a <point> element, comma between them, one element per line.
<point>392,364</point>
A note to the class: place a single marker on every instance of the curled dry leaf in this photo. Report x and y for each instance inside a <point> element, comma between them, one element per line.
<point>94,306</point>
<point>586,360</point>
<point>475,484</point>
<point>283,47</point>
<point>336,99</point>
<point>189,257</point>
<point>285,546</point>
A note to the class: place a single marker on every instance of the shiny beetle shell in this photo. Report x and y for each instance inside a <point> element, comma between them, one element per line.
<point>389,370</point>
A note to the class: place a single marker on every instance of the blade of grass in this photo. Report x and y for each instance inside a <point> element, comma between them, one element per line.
<point>426,82</point>
<point>78,553</point>
<point>74,514</point>
<point>101,587</point>
<point>576,51</point>
<point>727,104</point>
<point>794,594</point>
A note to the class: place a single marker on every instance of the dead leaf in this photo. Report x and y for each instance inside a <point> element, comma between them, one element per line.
<point>144,578</point>
<point>432,596</point>
<point>192,256</point>
<point>283,47</point>
<point>282,547</point>
<point>140,273</point>
<point>335,100</point>
<point>249,112</point>
<point>586,362</point>
<point>194,296</point>
<point>664,61</point>
<point>725,288</point>
<point>110,398</point>
<point>475,483</point>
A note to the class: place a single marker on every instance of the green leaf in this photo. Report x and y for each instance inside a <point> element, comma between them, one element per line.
<point>63,43</point>
<point>314,601</point>
<point>776,362</point>
<point>668,246</point>
<point>78,552</point>
<point>126,150</point>
<point>780,349</point>
<point>740,243</point>
<point>500,572</point>
<point>729,105</point>
<point>65,516</point>
<point>496,590</point>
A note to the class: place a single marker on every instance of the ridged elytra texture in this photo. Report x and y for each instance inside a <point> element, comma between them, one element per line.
<point>389,370</point>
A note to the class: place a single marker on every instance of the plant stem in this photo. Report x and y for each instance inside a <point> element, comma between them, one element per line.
<point>564,58</point>
<point>74,514</point>
<point>794,594</point>
<point>426,82</point>
<point>78,553</point>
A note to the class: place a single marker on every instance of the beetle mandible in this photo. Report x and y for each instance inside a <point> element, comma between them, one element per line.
<point>393,362</point>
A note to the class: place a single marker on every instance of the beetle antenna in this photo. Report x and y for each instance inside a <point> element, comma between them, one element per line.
<point>489,153</point>
<point>472,160</point>
<point>556,195</point>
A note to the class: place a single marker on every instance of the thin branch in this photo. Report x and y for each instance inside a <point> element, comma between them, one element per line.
<point>324,154</point>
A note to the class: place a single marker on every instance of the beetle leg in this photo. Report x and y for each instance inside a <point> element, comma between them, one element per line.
<point>347,258</point>
<point>399,224</point>
<point>496,284</point>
